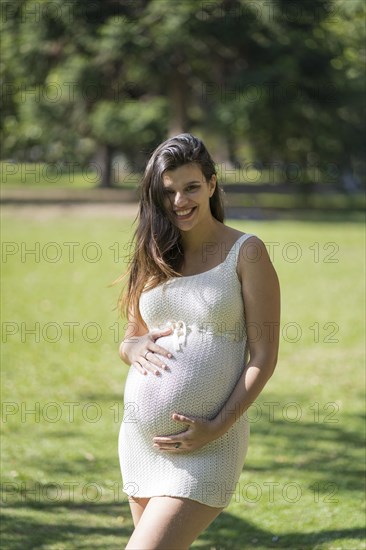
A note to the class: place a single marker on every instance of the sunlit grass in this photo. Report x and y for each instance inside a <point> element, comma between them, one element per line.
<point>62,391</point>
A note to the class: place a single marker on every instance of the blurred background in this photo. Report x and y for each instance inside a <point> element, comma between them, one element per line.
<point>276,90</point>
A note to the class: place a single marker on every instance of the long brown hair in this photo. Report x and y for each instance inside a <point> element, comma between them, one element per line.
<point>158,251</point>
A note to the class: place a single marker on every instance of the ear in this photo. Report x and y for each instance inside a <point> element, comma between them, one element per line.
<point>212,184</point>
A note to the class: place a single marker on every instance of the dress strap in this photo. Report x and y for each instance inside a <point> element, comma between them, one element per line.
<point>233,254</point>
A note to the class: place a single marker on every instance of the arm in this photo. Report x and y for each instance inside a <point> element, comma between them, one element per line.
<point>261,296</point>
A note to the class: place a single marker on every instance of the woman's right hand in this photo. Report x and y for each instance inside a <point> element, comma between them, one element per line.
<point>141,351</point>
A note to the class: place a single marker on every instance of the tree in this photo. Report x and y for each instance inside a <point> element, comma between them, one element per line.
<point>116,76</point>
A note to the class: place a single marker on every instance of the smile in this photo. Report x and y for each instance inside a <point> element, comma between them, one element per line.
<point>184,213</point>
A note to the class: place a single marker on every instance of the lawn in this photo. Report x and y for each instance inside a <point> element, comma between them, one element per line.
<point>62,391</point>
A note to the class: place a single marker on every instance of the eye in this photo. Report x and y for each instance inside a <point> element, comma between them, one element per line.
<point>192,187</point>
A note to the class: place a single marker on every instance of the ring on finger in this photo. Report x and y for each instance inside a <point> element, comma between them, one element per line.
<point>177,445</point>
<point>146,352</point>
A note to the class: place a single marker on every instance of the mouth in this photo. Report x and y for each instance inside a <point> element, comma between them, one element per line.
<point>185,214</point>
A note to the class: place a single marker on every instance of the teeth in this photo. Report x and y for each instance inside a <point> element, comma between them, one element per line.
<point>184,212</point>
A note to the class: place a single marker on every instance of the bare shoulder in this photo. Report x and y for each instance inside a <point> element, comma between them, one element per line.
<point>230,235</point>
<point>253,258</point>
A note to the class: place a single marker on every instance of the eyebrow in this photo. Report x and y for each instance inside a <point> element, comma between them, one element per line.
<point>187,183</point>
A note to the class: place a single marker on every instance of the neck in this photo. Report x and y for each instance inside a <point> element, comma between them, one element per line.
<point>206,232</point>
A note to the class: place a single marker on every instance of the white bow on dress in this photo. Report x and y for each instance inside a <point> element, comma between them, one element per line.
<point>179,333</point>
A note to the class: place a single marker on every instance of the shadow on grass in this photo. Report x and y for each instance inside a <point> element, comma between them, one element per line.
<point>322,450</point>
<point>33,525</point>
<point>23,531</point>
<point>323,443</point>
<point>229,532</point>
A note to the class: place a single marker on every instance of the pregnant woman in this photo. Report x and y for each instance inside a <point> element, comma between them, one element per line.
<point>203,307</point>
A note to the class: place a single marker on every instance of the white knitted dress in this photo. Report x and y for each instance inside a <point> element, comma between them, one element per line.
<point>209,347</point>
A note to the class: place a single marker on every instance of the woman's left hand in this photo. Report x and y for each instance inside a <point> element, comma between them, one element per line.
<point>199,433</point>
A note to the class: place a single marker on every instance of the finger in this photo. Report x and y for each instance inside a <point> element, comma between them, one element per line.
<point>158,349</point>
<point>168,449</point>
<point>150,367</point>
<point>151,358</point>
<point>182,418</point>
<point>166,440</point>
<point>139,367</point>
<point>158,333</point>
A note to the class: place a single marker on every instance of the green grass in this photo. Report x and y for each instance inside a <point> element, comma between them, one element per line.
<point>301,487</point>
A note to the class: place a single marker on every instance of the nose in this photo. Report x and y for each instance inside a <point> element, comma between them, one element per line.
<point>179,199</point>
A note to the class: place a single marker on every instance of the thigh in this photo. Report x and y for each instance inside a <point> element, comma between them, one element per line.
<point>169,523</point>
<point>137,506</point>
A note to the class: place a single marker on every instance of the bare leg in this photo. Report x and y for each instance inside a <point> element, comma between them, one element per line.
<point>171,523</point>
<point>137,506</point>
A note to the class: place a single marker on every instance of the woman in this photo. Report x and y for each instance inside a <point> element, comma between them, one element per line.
<point>202,299</point>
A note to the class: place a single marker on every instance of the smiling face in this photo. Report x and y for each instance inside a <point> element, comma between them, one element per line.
<point>187,195</point>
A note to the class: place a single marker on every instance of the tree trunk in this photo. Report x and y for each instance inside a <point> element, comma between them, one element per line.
<point>178,104</point>
<point>104,161</point>
<point>231,148</point>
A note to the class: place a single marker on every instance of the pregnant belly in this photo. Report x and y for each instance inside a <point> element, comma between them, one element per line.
<point>198,382</point>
